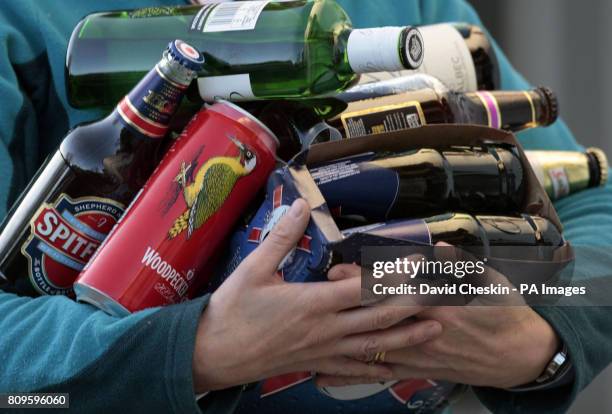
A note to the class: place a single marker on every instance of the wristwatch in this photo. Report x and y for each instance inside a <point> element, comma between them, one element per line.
<point>554,366</point>
<point>559,371</point>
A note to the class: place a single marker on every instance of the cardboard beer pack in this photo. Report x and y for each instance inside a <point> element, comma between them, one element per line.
<point>312,257</point>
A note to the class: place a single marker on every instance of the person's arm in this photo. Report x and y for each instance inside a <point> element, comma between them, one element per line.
<point>587,220</point>
<point>140,363</point>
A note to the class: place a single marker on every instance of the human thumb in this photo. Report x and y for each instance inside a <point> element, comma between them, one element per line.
<point>282,239</point>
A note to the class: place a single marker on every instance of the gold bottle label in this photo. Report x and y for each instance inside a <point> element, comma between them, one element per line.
<point>380,119</point>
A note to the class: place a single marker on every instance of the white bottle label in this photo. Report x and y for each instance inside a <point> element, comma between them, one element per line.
<point>560,182</point>
<point>226,17</point>
<point>230,87</point>
<point>372,50</point>
<point>447,58</point>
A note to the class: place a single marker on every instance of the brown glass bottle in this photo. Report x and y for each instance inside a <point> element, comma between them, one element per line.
<point>423,182</point>
<point>509,110</point>
<point>81,191</point>
<point>461,229</point>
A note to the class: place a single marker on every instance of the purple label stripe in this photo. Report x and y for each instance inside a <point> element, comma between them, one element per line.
<point>492,108</point>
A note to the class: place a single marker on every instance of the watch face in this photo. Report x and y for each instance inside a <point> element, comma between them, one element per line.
<point>553,366</point>
<point>559,359</point>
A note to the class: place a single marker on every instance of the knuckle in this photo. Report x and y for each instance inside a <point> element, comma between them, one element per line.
<point>430,348</point>
<point>281,235</point>
<point>370,346</point>
<point>308,303</point>
<point>316,338</point>
<point>384,318</point>
<point>344,295</point>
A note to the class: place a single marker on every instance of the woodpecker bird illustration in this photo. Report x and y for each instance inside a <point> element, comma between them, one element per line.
<point>211,186</point>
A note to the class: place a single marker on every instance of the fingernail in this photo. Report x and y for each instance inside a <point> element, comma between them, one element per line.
<point>297,209</point>
<point>335,273</point>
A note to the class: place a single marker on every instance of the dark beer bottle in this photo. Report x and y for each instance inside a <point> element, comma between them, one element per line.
<point>562,173</point>
<point>508,110</point>
<point>421,182</point>
<point>424,101</point>
<point>462,229</point>
<point>459,54</point>
<point>82,190</point>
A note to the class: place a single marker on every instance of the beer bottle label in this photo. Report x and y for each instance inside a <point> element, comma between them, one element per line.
<point>364,57</point>
<point>63,237</point>
<point>227,17</point>
<point>489,102</point>
<point>395,117</point>
<point>415,230</point>
<point>230,87</point>
<point>150,106</point>
<point>357,182</point>
<point>153,12</point>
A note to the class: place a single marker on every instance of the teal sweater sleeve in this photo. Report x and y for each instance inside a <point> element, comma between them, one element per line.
<point>586,216</point>
<point>141,363</point>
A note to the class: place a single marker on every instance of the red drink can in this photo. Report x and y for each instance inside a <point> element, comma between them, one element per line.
<point>163,248</point>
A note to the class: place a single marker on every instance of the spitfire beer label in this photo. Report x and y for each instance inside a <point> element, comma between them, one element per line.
<point>64,236</point>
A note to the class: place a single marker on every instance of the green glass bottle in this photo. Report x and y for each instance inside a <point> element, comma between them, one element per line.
<point>253,49</point>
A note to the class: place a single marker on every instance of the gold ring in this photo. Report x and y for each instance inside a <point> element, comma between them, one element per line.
<point>379,358</point>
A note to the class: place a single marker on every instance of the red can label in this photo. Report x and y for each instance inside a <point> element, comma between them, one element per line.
<point>163,249</point>
<point>63,237</point>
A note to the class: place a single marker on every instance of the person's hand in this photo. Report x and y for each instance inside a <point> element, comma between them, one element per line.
<point>494,346</point>
<point>257,326</point>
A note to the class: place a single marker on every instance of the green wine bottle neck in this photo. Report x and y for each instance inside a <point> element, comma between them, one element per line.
<point>384,49</point>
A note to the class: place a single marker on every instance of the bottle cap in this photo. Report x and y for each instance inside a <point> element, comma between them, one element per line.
<point>186,55</point>
<point>600,174</point>
<point>551,102</point>
<point>181,62</point>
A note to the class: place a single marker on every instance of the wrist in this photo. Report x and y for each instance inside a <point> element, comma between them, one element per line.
<point>542,343</point>
<point>206,373</point>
